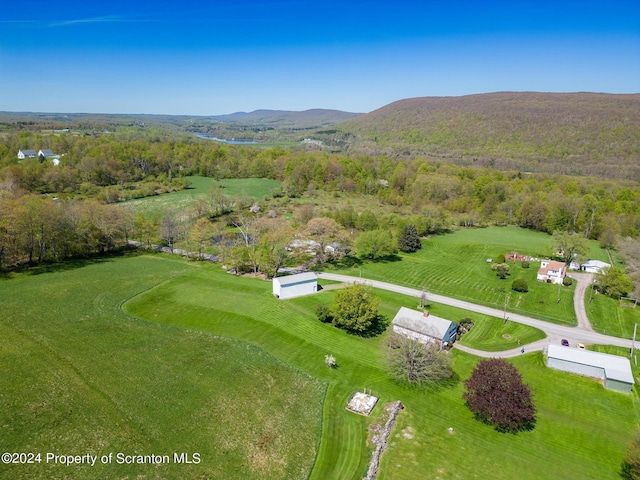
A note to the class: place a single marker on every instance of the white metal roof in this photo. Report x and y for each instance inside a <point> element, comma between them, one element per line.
<point>417,322</point>
<point>596,263</point>
<point>295,279</point>
<point>615,367</point>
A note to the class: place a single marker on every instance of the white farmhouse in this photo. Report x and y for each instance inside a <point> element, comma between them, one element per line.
<point>295,285</point>
<point>551,271</point>
<point>613,369</point>
<point>22,154</point>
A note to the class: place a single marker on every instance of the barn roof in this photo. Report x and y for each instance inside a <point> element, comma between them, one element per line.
<point>419,323</point>
<point>615,367</point>
<point>296,279</point>
<point>596,264</point>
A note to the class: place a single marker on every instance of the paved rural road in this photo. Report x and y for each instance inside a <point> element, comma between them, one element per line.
<point>579,334</point>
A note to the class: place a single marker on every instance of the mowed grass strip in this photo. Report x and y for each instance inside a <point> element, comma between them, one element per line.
<point>576,431</point>
<point>493,334</point>
<point>78,376</point>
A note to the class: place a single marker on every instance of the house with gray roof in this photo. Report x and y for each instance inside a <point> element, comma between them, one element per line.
<point>595,266</point>
<point>424,327</point>
<point>613,369</point>
<point>45,152</point>
<point>22,154</point>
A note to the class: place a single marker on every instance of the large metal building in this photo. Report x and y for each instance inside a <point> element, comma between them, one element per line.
<point>295,285</point>
<point>613,369</point>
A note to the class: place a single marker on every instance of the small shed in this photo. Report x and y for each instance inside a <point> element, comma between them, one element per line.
<point>613,369</point>
<point>423,327</point>
<point>295,285</point>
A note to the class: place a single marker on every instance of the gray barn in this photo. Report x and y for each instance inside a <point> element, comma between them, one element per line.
<point>613,369</point>
<point>295,285</point>
<point>423,327</point>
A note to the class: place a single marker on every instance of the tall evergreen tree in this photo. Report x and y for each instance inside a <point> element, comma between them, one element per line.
<point>409,241</point>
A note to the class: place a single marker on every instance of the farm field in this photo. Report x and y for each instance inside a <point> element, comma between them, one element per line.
<point>581,427</point>
<point>455,265</point>
<point>257,188</point>
<point>78,376</point>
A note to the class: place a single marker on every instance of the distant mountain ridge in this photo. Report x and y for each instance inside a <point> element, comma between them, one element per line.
<point>313,118</point>
<point>576,133</point>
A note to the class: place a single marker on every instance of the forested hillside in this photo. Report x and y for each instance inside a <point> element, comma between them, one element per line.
<point>572,133</point>
<point>49,211</point>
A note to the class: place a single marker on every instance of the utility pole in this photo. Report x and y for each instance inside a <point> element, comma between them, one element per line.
<point>506,298</point>
<point>424,299</point>
<point>633,342</point>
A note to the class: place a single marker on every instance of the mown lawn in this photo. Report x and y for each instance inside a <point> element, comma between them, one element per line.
<point>78,376</point>
<point>456,265</point>
<point>607,316</point>
<point>582,428</point>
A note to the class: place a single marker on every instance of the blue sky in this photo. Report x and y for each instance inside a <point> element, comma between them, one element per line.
<point>217,57</point>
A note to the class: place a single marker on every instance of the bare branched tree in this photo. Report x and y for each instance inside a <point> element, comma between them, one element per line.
<point>417,363</point>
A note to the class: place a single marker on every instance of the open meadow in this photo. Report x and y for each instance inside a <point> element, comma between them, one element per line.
<point>216,365</point>
<point>581,427</point>
<point>199,188</point>
<point>78,376</point>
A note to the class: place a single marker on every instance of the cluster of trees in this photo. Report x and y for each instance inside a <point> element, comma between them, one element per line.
<point>35,229</point>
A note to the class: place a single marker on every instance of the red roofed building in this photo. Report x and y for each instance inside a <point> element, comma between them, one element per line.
<point>552,271</point>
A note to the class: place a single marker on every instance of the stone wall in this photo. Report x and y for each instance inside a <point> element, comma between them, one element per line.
<point>381,440</point>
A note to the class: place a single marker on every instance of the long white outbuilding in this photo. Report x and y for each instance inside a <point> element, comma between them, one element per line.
<point>613,369</point>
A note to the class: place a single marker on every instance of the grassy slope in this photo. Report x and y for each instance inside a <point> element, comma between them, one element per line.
<point>78,376</point>
<point>608,317</point>
<point>582,428</point>
<point>455,265</point>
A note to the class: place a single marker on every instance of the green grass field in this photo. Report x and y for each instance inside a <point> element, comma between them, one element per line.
<point>455,265</point>
<point>582,428</point>
<point>78,376</point>
<point>607,316</point>
<point>257,188</point>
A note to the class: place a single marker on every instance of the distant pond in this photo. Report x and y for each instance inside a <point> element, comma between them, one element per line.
<point>233,141</point>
